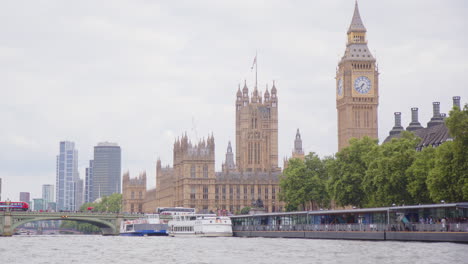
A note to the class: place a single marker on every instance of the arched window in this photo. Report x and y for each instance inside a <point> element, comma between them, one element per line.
<point>205,171</point>
<point>192,171</point>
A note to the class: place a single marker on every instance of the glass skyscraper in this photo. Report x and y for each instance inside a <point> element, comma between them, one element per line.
<point>66,176</point>
<point>88,183</point>
<point>105,177</point>
<point>48,193</point>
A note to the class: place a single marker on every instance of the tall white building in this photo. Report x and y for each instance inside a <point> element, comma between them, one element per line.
<point>48,193</point>
<point>67,176</point>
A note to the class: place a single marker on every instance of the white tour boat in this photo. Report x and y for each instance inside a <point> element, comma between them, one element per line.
<point>150,225</point>
<point>206,225</point>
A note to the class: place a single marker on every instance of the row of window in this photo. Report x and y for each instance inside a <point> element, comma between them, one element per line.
<point>245,193</point>
<point>140,195</point>
<point>193,171</point>
<point>182,228</point>
<point>132,208</point>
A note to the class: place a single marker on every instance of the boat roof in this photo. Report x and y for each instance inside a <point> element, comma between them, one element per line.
<point>362,210</point>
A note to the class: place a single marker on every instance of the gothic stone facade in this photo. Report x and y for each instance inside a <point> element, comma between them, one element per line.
<point>357,87</point>
<point>133,192</point>
<point>192,180</point>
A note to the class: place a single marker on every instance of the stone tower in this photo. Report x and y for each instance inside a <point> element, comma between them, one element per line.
<point>133,192</point>
<point>357,87</point>
<point>229,164</point>
<point>257,130</point>
<point>194,174</point>
<point>298,152</point>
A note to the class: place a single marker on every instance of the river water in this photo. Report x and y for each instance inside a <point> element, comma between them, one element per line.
<point>99,249</point>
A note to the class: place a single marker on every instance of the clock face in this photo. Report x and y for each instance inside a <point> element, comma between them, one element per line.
<point>362,85</point>
<point>340,87</point>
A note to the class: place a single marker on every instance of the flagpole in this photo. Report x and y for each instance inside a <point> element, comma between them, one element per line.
<point>256,64</point>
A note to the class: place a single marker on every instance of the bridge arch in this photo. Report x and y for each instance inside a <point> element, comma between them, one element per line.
<point>107,228</point>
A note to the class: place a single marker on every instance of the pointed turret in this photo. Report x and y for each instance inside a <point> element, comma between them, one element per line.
<point>245,90</point>
<point>273,90</point>
<point>239,93</point>
<point>255,95</point>
<point>356,22</point>
<point>229,164</point>
<point>298,144</point>
<point>267,94</point>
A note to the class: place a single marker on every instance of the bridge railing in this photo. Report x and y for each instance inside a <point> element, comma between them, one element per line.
<point>448,227</point>
<point>84,214</point>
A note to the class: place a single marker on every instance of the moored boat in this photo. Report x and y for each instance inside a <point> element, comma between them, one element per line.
<point>150,225</point>
<point>204,225</point>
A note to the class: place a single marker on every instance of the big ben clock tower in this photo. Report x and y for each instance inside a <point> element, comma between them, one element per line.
<point>357,87</point>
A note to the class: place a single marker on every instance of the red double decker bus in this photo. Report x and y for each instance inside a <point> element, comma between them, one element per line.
<point>14,206</point>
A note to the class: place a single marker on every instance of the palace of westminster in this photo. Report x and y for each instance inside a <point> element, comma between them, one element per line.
<point>254,172</point>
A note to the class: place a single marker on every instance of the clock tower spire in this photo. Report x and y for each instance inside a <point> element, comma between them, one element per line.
<point>357,86</point>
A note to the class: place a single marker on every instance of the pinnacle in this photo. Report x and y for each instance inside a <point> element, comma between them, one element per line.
<point>356,21</point>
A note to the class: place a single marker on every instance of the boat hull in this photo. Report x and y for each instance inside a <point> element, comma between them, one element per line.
<point>145,233</point>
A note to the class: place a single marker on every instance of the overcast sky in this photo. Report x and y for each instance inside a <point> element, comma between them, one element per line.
<point>141,73</point>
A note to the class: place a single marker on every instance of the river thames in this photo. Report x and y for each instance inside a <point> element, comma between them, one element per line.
<point>100,249</point>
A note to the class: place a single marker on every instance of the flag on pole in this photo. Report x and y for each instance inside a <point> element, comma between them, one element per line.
<point>254,62</point>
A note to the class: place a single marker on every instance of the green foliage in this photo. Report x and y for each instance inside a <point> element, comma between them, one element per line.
<point>304,183</point>
<point>417,175</point>
<point>80,226</point>
<point>365,174</point>
<point>386,180</point>
<point>111,203</point>
<point>245,210</point>
<point>448,180</point>
<point>347,171</point>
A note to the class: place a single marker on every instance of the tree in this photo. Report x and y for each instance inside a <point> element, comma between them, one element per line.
<point>347,172</point>
<point>292,185</point>
<point>304,183</point>
<point>418,174</point>
<point>111,203</point>
<point>448,180</point>
<point>317,191</point>
<point>245,210</point>
<point>386,180</point>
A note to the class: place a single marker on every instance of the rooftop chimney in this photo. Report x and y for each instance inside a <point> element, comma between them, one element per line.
<point>436,117</point>
<point>397,128</point>
<point>456,101</point>
<point>414,125</point>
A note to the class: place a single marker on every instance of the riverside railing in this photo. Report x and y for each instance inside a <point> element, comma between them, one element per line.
<point>450,227</point>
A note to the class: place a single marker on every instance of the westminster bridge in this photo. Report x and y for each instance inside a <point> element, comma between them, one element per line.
<point>108,222</point>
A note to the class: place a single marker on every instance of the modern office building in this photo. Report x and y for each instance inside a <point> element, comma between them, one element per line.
<point>79,192</point>
<point>67,175</point>
<point>106,171</point>
<point>39,204</point>
<point>48,193</point>
<point>88,183</point>
<point>25,197</point>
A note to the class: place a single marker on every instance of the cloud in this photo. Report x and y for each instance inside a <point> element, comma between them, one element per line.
<point>138,73</point>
